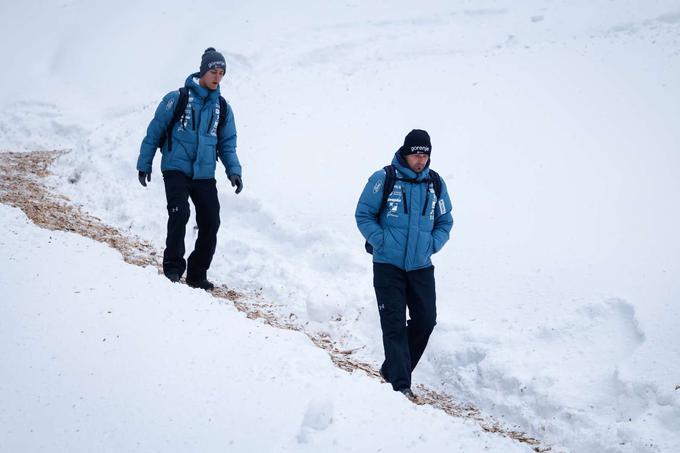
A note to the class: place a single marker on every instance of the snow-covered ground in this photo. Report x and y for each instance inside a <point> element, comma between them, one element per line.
<point>102,356</point>
<point>554,124</point>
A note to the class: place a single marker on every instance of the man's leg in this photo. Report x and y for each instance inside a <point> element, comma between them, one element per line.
<point>177,195</point>
<point>204,196</point>
<point>390,291</point>
<point>421,300</point>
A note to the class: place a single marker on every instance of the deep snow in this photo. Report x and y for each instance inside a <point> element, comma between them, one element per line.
<point>553,123</point>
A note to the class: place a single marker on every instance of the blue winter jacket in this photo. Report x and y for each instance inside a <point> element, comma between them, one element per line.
<point>195,143</point>
<point>404,235</point>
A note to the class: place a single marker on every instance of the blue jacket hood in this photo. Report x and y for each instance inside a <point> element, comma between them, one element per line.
<point>401,165</point>
<point>191,82</point>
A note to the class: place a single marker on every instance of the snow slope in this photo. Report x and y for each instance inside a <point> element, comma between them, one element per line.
<point>553,123</point>
<point>104,356</point>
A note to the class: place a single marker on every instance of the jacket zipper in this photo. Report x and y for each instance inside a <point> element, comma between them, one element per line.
<point>403,196</point>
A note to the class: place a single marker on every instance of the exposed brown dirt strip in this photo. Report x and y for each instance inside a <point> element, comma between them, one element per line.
<point>22,186</point>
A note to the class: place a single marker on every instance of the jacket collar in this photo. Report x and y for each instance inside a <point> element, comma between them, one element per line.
<point>401,165</point>
<point>192,83</point>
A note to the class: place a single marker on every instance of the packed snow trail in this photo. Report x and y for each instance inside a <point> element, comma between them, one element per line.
<point>22,187</point>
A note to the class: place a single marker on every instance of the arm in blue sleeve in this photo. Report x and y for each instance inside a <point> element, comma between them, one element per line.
<point>366,214</point>
<point>156,131</point>
<point>443,221</point>
<point>226,148</point>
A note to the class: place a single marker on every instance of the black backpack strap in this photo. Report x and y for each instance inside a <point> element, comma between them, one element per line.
<point>181,105</point>
<point>220,122</point>
<point>223,114</point>
<point>388,186</point>
<point>436,181</point>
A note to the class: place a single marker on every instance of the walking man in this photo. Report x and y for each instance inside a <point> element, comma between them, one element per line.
<point>194,126</point>
<point>404,213</point>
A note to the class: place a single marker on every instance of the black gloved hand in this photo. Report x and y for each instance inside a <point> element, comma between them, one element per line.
<point>236,182</point>
<point>144,177</point>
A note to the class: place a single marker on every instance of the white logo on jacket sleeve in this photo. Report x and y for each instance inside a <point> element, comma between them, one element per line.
<point>442,207</point>
<point>377,186</point>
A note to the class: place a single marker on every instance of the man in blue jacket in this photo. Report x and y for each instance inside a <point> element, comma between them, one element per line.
<point>404,234</point>
<point>205,132</point>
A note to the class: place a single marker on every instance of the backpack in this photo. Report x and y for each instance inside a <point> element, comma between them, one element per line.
<point>388,186</point>
<point>179,113</point>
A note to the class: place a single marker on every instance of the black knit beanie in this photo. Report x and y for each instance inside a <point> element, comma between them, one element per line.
<point>212,59</point>
<point>416,142</point>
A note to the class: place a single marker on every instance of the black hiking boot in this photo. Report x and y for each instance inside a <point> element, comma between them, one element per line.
<point>203,284</point>
<point>407,393</point>
<point>174,278</point>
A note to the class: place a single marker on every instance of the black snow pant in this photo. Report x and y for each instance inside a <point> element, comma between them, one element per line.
<point>203,192</point>
<point>404,342</point>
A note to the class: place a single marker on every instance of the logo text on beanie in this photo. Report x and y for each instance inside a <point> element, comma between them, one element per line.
<point>420,149</point>
<point>216,64</point>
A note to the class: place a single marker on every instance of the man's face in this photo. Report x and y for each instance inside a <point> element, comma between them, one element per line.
<point>211,79</point>
<point>417,162</point>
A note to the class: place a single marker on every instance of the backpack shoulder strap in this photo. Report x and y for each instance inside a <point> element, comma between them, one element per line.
<point>436,182</point>
<point>220,123</point>
<point>176,115</point>
<point>388,186</point>
<point>223,114</point>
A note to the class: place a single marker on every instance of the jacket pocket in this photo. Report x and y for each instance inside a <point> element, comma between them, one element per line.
<point>188,150</point>
<point>394,243</point>
<point>388,240</point>
<point>423,251</point>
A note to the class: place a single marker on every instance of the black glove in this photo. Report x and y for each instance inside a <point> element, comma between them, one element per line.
<point>143,177</point>
<point>236,182</point>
